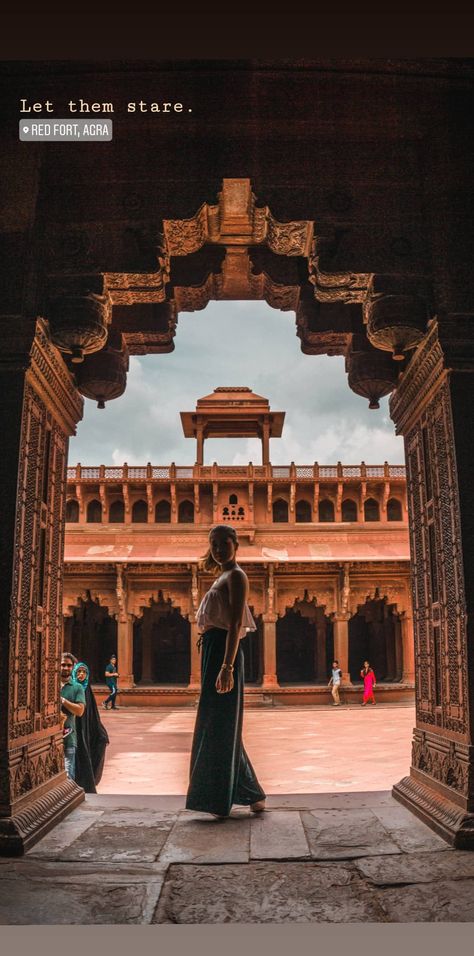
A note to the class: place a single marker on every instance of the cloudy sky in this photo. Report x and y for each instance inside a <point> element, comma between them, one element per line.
<point>237,343</point>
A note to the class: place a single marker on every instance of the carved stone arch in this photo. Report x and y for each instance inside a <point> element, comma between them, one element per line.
<point>288,596</point>
<point>165,597</point>
<point>395,595</point>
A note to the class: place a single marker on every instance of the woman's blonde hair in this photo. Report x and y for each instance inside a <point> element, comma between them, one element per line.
<point>207,561</point>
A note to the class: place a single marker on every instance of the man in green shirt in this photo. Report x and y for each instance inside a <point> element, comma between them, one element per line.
<point>111,677</point>
<point>73,703</point>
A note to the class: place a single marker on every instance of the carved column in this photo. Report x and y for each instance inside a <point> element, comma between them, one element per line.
<point>408,647</point>
<point>341,624</point>
<point>200,444</point>
<point>341,644</point>
<point>195,675</point>
<point>266,442</point>
<point>433,408</point>
<point>147,648</point>
<point>124,632</point>
<point>38,412</point>
<point>270,679</point>
<point>125,651</point>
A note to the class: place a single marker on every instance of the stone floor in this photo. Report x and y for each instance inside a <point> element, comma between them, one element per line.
<point>333,845</point>
<point>335,858</point>
<point>294,749</point>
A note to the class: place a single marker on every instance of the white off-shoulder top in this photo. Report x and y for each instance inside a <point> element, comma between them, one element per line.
<point>214,611</point>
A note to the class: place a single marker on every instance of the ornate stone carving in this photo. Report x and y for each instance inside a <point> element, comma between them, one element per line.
<point>52,380</point>
<point>444,760</point>
<point>236,282</point>
<point>335,286</point>
<point>416,383</point>
<point>371,374</point>
<point>236,220</point>
<point>102,376</point>
<point>129,288</point>
<point>79,313</point>
<point>289,238</point>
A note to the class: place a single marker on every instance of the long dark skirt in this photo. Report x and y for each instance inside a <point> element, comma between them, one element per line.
<point>221,773</point>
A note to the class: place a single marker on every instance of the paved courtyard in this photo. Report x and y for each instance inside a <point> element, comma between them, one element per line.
<point>293,750</point>
<point>333,846</point>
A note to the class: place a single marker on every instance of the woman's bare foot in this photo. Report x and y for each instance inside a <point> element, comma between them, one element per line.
<point>258,807</point>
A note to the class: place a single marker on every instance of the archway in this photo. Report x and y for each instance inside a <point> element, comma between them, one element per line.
<point>90,633</point>
<point>374,635</point>
<point>304,644</point>
<point>161,644</point>
<point>431,406</point>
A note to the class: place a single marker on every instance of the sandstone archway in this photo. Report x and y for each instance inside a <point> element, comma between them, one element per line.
<point>363,281</point>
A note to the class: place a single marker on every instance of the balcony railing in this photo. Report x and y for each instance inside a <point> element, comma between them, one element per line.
<point>250,472</point>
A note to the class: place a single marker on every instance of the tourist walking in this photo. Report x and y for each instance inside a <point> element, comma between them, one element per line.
<point>111,678</point>
<point>368,677</point>
<point>73,701</point>
<point>92,737</point>
<point>335,683</point>
<point>220,772</point>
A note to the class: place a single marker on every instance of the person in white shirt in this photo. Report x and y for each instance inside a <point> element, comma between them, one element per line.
<point>221,773</point>
<point>335,682</point>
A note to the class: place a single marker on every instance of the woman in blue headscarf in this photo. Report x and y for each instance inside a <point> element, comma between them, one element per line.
<point>92,737</point>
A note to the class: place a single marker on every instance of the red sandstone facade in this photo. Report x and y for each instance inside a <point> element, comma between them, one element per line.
<point>325,547</point>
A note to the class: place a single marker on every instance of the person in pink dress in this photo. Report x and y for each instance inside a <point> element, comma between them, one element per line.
<point>368,677</point>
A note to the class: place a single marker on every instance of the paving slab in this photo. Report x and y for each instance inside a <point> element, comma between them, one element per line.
<point>444,865</point>
<point>451,901</point>
<point>411,835</point>
<point>346,834</point>
<point>265,893</point>
<point>133,801</point>
<point>122,837</point>
<point>199,838</point>
<point>332,801</point>
<point>278,835</point>
<point>30,895</point>
<point>65,833</point>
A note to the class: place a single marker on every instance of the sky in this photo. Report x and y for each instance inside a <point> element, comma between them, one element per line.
<point>232,344</point>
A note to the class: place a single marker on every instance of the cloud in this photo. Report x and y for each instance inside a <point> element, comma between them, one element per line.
<point>237,343</point>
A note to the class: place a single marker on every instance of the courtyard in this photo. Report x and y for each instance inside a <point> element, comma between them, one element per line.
<point>294,750</point>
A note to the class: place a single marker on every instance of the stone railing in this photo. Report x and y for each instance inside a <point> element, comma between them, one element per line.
<point>292,472</point>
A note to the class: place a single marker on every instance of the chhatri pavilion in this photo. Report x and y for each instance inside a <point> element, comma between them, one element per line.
<point>325,548</point>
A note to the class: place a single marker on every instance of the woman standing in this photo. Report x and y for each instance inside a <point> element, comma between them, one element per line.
<point>92,737</point>
<point>368,677</point>
<point>221,773</point>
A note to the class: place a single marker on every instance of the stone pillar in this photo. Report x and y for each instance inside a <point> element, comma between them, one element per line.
<point>200,445</point>
<point>433,408</point>
<point>266,442</point>
<point>147,648</point>
<point>408,647</point>
<point>341,645</point>
<point>125,651</point>
<point>38,412</point>
<point>320,656</point>
<point>270,680</point>
<point>195,675</point>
